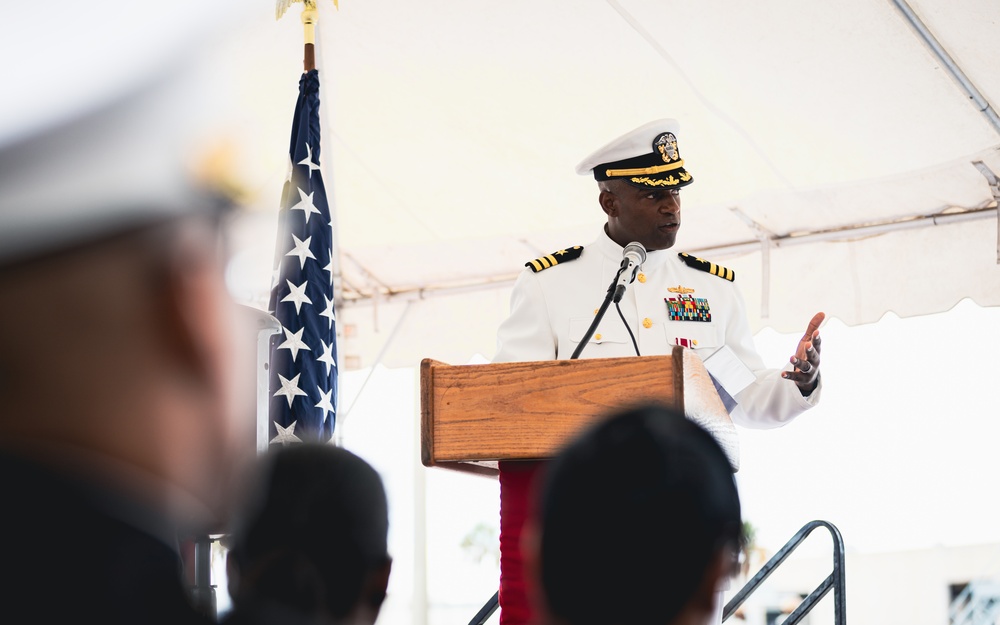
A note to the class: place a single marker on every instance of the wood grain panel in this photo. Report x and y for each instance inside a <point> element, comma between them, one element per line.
<point>527,410</point>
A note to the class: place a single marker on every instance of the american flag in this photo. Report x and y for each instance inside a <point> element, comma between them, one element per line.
<point>303,361</point>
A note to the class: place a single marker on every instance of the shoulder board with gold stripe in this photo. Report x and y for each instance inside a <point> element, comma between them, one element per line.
<point>553,259</point>
<point>703,265</point>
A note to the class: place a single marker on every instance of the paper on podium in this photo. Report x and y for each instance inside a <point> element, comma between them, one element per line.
<point>729,370</point>
<point>703,405</point>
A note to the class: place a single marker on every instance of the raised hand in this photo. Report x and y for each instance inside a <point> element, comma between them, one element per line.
<point>806,358</point>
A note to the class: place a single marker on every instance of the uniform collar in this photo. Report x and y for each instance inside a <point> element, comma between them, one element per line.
<point>614,251</point>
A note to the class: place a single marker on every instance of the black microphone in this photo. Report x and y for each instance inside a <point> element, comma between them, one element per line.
<point>633,255</point>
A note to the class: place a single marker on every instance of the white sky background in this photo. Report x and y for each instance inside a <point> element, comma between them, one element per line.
<point>900,454</point>
<point>902,451</point>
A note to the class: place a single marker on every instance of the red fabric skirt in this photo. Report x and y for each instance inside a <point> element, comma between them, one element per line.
<point>516,506</point>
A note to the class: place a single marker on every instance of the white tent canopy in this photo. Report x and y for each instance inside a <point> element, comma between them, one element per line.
<point>834,152</point>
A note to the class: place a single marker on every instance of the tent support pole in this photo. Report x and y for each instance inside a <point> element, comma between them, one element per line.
<point>765,279</point>
<point>844,233</point>
<point>419,524</point>
<point>765,237</point>
<point>994,182</point>
<point>949,63</point>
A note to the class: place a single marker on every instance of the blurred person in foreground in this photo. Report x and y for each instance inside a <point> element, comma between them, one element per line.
<point>118,384</point>
<point>309,542</point>
<point>638,521</point>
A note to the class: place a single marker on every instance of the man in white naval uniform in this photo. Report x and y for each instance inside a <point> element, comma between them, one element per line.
<point>552,310</point>
<point>676,299</point>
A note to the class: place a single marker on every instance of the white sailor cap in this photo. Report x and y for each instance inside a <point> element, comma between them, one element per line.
<point>645,157</point>
<point>104,110</point>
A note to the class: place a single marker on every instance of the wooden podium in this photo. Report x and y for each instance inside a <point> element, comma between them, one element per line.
<point>474,415</point>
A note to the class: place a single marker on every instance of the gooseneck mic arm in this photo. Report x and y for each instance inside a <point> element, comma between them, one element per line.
<point>634,255</point>
<point>597,317</point>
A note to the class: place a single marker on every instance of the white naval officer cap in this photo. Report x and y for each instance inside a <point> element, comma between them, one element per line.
<point>106,105</point>
<point>646,157</point>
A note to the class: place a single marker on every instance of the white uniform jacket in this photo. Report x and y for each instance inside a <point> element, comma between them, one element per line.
<point>551,311</point>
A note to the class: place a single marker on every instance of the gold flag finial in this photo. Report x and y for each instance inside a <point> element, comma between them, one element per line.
<point>309,17</point>
<point>281,6</point>
<point>309,20</point>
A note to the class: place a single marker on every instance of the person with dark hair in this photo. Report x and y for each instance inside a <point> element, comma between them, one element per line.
<point>309,542</point>
<point>638,521</point>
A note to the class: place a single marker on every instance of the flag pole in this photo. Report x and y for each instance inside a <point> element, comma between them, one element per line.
<point>309,28</point>
<point>309,18</point>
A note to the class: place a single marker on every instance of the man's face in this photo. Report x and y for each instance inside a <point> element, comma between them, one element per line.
<point>650,216</point>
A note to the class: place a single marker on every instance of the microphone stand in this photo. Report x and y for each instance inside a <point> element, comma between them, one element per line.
<point>611,296</point>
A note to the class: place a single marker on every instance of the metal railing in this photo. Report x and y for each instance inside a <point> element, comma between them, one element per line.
<point>487,610</point>
<point>835,581</point>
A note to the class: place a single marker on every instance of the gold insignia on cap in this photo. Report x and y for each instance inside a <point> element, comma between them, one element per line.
<point>553,259</point>
<point>669,181</point>
<point>214,166</point>
<point>666,144</point>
